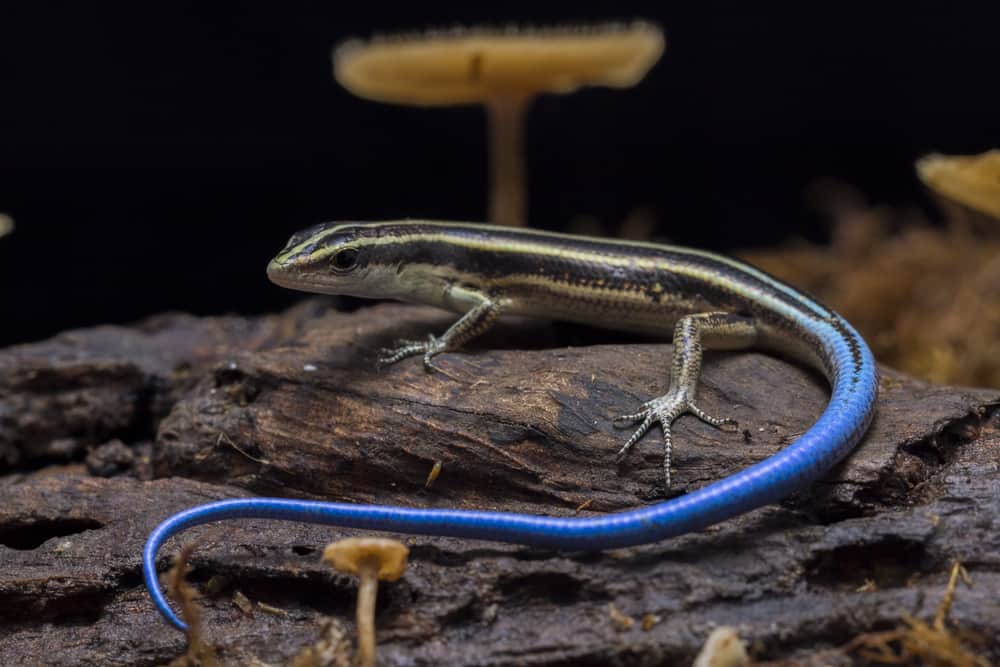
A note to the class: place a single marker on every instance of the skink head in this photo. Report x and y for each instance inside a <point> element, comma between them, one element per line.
<point>331,258</point>
<point>406,260</point>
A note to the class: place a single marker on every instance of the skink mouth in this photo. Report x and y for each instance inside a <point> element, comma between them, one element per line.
<point>279,274</point>
<point>283,276</point>
<point>276,272</point>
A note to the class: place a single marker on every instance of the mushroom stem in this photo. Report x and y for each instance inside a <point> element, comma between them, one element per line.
<point>506,119</point>
<point>367,591</point>
<point>371,558</point>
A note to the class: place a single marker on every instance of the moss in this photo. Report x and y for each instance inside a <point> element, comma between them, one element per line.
<point>916,642</point>
<point>926,298</point>
<point>199,653</point>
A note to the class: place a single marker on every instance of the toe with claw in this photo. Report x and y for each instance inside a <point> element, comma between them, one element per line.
<point>664,410</point>
<point>410,348</point>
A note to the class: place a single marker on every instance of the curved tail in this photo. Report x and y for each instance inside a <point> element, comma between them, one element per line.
<point>830,439</point>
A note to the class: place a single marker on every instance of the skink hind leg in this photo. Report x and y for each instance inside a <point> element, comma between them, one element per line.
<point>691,335</point>
<point>473,323</point>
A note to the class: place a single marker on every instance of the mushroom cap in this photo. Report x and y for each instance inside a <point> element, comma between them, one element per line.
<point>469,66</point>
<point>971,180</point>
<point>350,554</point>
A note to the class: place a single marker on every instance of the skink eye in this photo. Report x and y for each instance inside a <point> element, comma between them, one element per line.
<point>345,259</point>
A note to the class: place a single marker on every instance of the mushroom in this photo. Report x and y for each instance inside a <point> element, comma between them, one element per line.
<point>723,648</point>
<point>6,224</point>
<point>371,558</point>
<point>502,70</point>
<point>970,181</point>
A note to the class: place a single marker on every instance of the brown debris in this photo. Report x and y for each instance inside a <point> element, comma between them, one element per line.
<point>333,649</point>
<point>927,299</point>
<point>433,474</point>
<point>916,642</point>
<point>199,652</point>
<point>649,621</point>
<point>621,622</point>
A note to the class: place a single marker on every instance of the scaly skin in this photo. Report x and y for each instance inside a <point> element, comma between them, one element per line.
<point>483,272</point>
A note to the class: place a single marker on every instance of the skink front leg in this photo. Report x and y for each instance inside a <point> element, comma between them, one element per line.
<point>691,334</point>
<point>475,322</point>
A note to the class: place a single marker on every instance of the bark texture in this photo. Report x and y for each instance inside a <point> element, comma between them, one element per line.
<point>105,432</point>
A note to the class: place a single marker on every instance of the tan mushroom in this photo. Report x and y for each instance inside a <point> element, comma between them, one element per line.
<point>972,181</point>
<point>6,225</point>
<point>502,70</point>
<point>371,558</point>
<point>723,648</point>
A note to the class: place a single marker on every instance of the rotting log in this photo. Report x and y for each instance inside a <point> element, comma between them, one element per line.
<point>105,432</point>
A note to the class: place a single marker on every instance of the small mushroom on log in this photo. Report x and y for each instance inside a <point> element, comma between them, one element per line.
<point>372,559</point>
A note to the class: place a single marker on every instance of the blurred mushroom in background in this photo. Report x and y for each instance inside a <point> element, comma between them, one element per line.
<point>502,70</point>
<point>967,188</point>
<point>6,225</point>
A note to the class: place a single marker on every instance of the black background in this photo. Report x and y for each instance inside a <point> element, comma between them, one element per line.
<point>154,156</point>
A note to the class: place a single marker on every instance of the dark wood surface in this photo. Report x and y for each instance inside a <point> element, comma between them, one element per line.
<point>105,432</point>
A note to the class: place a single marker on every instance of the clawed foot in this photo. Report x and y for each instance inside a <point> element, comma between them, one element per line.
<point>664,410</point>
<point>410,348</point>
